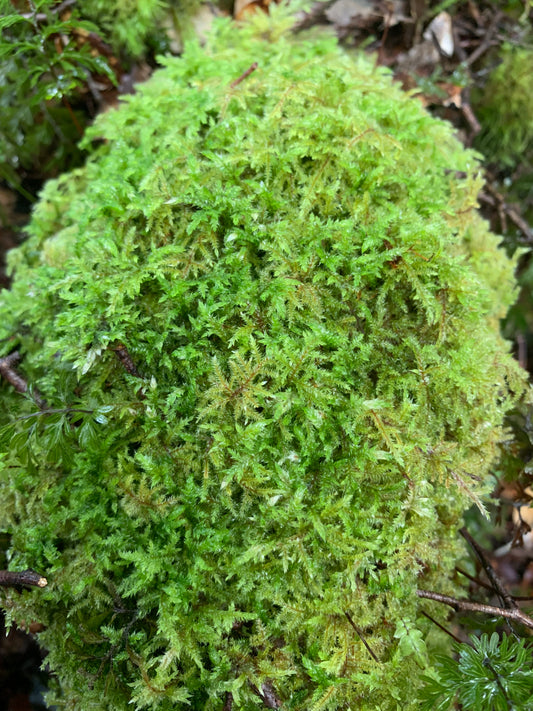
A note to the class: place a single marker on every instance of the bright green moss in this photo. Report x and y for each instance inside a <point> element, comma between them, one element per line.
<point>297,270</point>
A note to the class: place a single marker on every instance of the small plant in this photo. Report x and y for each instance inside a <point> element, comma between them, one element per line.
<point>490,675</point>
<point>43,62</point>
<point>253,379</point>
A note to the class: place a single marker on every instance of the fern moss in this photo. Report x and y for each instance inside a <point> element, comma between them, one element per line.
<point>263,320</point>
<point>505,108</point>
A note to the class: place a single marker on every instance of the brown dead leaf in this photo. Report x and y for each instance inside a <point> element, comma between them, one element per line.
<point>244,7</point>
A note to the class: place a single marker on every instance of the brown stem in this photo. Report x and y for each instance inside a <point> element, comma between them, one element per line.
<point>15,379</point>
<point>12,578</point>
<point>228,702</point>
<point>487,40</point>
<point>268,695</point>
<point>514,614</point>
<point>494,579</point>
<point>243,76</point>
<point>124,357</point>
<point>360,635</point>
<point>10,374</point>
<point>442,627</point>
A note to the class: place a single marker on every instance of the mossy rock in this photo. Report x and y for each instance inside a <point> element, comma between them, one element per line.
<point>261,331</point>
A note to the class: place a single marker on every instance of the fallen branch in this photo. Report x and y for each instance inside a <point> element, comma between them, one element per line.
<point>494,199</point>
<point>10,578</point>
<point>8,372</point>
<point>514,614</point>
<point>124,357</point>
<point>10,375</point>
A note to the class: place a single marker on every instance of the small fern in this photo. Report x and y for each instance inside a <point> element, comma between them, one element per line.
<point>489,675</point>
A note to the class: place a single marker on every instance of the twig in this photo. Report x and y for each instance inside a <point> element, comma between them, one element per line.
<point>473,578</point>
<point>360,635</point>
<point>267,695</point>
<point>494,578</point>
<point>15,379</point>
<point>487,40</point>
<point>10,578</point>
<point>243,76</point>
<point>496,200</point>
<point>314,16</point>
<point>124,357</point>
<point>514,614</point>
<point>228,702</point>
<point>43,17</point>
<point>442,627</point>
<point>469,115</point>
<point>10,374</point>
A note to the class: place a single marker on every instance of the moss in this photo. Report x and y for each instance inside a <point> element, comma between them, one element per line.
<point>505,108</point>
<point>264,322</point>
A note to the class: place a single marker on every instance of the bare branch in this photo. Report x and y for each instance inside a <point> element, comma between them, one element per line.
<point>8,372</point>
<point>495,580</point>
<point>10,578</point>
<point>514,614</point>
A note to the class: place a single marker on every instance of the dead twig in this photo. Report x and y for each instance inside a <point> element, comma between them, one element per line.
<point>494,199</point>
<point>243,76</point>
<point>267,695</point>
<point>360,635</point>
<point>514,614</point>
<point>228,702</point>
<point>124,357</point>
<point>11,578</point>
<point>442,627</point>
<point>487,42</point>
<point>494,578</point>
<point>8,373</point>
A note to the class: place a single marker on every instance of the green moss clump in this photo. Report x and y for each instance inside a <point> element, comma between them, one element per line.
<point>262,327</point>
<point>505,108</point>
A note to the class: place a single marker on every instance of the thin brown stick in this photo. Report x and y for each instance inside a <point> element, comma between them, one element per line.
<point>12,578</point>
<point>494,199</point>
<point>442,627</point>
<point>494,578</point>
<point>473,578</point>
<point>10,374</point>
<point>124,357</point>
<point>43,17</point>
<point>487,43</point>
<point>514,614</point>
<point>228,702</point>
<point>267,695</point>
<point>247,73</point>
<point>360,635</point>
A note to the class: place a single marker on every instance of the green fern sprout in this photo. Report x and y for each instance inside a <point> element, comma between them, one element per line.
<point>489,675</point>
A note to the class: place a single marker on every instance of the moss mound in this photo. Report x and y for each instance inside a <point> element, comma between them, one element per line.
<point>261,331</point>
